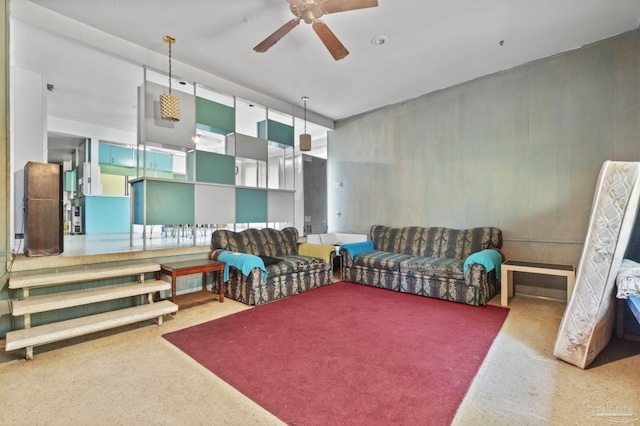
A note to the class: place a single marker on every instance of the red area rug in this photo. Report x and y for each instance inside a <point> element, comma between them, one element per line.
<point>349,354</point>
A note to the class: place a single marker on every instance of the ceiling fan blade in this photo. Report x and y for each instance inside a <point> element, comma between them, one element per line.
<point>334,6</point>
<point>337,49</point>
<point>277,35</point>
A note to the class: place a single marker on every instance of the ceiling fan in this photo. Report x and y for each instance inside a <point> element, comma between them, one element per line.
<point>310,11</point>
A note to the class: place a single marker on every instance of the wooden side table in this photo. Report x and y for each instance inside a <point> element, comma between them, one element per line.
<point>508,267</point>
<point>178,269</point>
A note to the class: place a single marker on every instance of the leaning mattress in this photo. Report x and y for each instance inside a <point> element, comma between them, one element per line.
<point>588,320</point>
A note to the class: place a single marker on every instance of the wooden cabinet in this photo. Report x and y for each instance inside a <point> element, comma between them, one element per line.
<point>43,233</point>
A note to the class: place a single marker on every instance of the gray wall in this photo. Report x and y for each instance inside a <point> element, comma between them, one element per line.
<point>520,150</point>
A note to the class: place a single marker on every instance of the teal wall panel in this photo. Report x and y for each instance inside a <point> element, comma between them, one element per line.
<point>215,168</point>
<point>70,180</point>
<point>137,192</point>
<point>168,203</point>
<point>278,132</point>
<point>251,205</point>
<point>105,214</point>
<point>220,118</point>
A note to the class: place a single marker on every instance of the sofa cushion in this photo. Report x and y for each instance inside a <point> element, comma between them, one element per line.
<point>380,260</point>
<point>281,268</point>
<point>442,267</point>
<point>306,263</point>
<point>268,261</point>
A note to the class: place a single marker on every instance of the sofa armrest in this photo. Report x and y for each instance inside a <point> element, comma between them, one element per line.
<point>352,249</point>
<point>241,261</point>
<point>215,253</point>
<point>489,258</point>
<point>321,251</point>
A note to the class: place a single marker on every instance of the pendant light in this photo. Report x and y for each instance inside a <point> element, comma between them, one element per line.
<point>305,138</point>
<point>169,103</point>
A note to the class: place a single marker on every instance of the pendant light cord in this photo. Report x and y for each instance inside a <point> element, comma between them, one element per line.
<point>169,40</point>
<point>304,98</point>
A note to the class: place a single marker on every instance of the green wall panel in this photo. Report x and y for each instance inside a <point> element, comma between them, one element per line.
<point>117,170</point>
<point>215,168</point>
<point>278,132</point>
<point>70,180</point>
<point>219,118</point>
<point>251,205</point>
<point>137,192</point>
<point>168,203</point>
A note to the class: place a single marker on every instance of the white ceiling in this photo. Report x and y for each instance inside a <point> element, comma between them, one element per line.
<point>432,44</point>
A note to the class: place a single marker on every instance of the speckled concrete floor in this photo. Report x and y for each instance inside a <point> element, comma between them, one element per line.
<point>133,376</point>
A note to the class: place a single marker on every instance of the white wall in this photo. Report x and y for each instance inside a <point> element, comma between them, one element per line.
<point>28,133</point>
<point>520,150</point>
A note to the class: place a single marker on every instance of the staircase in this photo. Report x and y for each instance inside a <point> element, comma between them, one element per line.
<point>26,306</point>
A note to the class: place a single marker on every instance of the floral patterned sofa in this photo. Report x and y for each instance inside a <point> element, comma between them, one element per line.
<point>286,268</point>
<point>451,264</point>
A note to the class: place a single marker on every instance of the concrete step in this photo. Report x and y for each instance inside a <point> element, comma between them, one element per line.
<point>50,302</point>
<point>62,330</point>
<point>51,279</point>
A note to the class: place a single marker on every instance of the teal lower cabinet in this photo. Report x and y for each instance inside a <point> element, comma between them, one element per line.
<point>163,202</point>
<point>105,214</point>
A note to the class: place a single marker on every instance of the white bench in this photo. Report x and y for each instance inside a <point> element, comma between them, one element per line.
<point>47,333</point>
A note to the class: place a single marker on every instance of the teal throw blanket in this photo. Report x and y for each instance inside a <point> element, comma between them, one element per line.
<point>357,248</point>
<point>490,259</point>
<point>242,261</point>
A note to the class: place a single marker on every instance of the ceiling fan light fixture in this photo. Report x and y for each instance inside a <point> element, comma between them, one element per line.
<point>169,103</point>
<point>305,138</point>
<point>310,11</point>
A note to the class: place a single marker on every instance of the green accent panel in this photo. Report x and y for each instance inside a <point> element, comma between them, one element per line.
<point>70,179</point>
<point>117,170</point>
<point>279,145</point>
<point>164,175</point>
<point>168,203</point>
<point>212,129</point>
<point>215,168</point>
<point>215,115</point>
<point>251,205</point>
<point>278,132</point>
<point>191,165</point>
<point>138,202</point>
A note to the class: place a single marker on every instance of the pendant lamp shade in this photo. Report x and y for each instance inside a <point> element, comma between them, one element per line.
<point>170,107</point>
<point>305,138</point>
<point>305,142</point>
<point>169,103</point>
